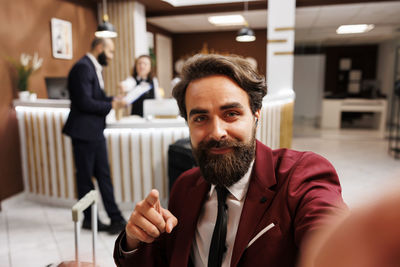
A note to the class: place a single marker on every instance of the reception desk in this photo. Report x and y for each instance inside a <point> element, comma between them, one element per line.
<point>137,152</point>
<point>332,110</point>
<point>137,149</point>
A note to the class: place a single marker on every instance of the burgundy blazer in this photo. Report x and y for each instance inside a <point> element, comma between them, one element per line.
<point>296,191</point>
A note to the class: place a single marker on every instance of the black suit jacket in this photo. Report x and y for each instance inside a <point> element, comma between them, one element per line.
<point>89,103</point>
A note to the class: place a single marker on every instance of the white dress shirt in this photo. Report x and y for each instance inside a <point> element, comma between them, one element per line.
<point>98,69</point>
<point>208,217</point>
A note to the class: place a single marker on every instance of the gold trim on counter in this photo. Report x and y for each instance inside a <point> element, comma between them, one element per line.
<point>28,152</point>
<point>47,138</point>
<point>131,176</point>
<point>34,156</point>
<point>153,180</point>
<point>110,158</point>
<point>41,158</point>
<point>121,166</point>
<point>164,171</point>
<point>57,178</point>
<point>141,165</point>
<point>286,125</point>
<point>64,155</point>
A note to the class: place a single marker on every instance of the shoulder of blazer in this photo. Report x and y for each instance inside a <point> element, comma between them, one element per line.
<point>87,61</point>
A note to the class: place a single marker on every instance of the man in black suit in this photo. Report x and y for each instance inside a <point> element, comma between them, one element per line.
<point>85,125</point>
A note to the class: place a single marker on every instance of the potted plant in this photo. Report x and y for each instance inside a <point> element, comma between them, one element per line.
<point>25,68</point>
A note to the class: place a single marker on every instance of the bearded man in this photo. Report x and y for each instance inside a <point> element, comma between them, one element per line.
<point>85,126</point>
<point>245,205</point>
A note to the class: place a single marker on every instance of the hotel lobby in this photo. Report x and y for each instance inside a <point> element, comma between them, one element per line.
<point>330,93</point>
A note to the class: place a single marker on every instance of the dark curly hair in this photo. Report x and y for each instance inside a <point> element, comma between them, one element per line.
<point>234,67</point>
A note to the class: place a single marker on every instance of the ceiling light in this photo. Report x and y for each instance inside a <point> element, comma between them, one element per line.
<point>177,3</point>
<point>105,29</point>
<point>227,20</point>
<point>356,28</point>
<point>245,35</point>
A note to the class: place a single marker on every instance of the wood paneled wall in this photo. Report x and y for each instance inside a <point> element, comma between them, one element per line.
<point>121,14</point>
<point>188,44</point>
<point>26,29</point>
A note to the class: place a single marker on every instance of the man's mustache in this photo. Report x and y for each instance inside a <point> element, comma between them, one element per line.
<point>218,144</point>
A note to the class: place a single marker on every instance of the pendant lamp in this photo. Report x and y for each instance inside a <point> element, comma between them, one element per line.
<point>105,29</point>
<point>245,34</point>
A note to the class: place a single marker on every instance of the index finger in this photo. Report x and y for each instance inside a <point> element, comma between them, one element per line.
<point>153,199</point>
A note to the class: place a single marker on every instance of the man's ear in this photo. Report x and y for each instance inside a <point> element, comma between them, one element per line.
<point>257,115</point>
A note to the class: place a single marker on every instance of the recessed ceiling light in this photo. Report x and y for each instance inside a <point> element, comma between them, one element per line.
<point>177,3</point>
<point>227,20</point>
<point>356,28</point>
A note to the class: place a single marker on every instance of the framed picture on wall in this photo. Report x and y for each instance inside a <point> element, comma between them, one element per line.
<point>61,38</point>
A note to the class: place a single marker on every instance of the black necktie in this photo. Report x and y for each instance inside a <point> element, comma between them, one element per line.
<point>218,247</point>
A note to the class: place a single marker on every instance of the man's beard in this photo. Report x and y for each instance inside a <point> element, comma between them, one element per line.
<point>102,59</point>
<point>224,169</point>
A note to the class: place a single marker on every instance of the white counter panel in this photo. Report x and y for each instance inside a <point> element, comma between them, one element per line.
<point>137,150</point>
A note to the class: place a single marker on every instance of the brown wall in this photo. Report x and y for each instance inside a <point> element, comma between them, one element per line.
<point>363,57</point>
<point>187,44</point>
<point>26,29</point>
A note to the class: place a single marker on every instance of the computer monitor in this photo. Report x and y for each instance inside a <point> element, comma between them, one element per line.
<point>57,87</point>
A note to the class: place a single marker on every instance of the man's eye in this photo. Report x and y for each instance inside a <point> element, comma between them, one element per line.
<point>199,118</point>
<point>232,114</point>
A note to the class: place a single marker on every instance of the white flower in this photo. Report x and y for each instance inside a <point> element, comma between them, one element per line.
<point>36,62</point>
<point>25,58</point>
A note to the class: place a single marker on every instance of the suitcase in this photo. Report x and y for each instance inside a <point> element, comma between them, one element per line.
<point>90,199</point>
<point>180,159</point>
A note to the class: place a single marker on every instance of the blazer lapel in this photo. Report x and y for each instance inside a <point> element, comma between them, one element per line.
<point>259,197</point>
<point>192,204</point>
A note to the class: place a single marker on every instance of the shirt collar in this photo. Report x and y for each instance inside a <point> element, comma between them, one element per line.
<point>238,189</point>
<point>96,64</point>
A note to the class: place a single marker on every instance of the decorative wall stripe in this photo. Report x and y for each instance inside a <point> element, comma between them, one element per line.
<point>277,40</point>
<point>281,29</point>
<point>283,53</point>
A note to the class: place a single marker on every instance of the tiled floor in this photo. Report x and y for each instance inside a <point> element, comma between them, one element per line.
<point>33,234</point>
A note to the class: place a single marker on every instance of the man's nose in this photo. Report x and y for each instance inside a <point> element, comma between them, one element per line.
<point>217,129</point>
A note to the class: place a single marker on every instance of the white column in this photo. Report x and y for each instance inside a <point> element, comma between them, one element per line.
<point>280,47</point>
<point>140,32</point>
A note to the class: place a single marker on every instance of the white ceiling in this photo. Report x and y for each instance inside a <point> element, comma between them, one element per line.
<point>315,24</point>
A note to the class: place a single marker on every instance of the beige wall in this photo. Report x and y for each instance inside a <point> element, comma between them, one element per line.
<point>26,29</point>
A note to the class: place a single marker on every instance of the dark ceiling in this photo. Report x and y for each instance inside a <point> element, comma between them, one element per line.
<point>155,8</point>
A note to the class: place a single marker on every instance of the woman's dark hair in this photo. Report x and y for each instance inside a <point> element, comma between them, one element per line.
<point>234,67</point>
<point>134,72</point>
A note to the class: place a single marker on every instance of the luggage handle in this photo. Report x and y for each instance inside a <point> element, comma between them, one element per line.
<point>90,199</point>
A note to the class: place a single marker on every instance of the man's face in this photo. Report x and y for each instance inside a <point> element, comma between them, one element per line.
<point>222,128</point>
<point>107,52</point>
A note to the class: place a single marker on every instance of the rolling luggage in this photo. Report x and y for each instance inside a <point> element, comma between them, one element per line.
<point>90,199</point>
<point>180,159</point>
